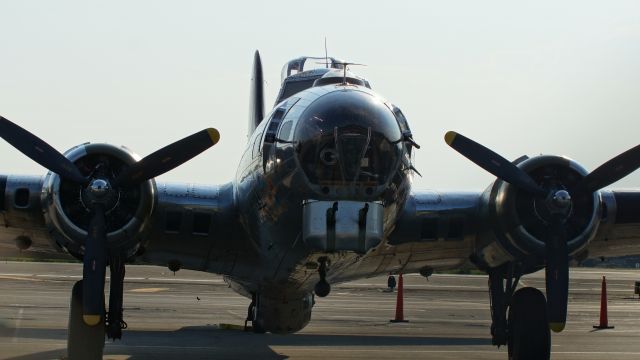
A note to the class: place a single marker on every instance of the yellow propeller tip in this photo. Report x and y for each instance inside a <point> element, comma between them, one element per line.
<point>91,320</point>
<point>557,326</point>
<point>449,137</point>
<point>214,135</point>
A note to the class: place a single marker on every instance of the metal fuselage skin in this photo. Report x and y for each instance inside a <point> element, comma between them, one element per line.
<point>317,132</point>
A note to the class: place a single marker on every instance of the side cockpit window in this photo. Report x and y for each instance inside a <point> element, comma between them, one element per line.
<point>402,120</point>
<point>407,136</point>
<point>285,131</point>
<point>271,135</point>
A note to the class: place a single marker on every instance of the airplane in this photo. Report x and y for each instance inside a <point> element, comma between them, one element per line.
<point>322,195</point>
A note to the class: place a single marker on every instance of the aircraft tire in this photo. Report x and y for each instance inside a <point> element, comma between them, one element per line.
<point>83,341</point>
<point>257,327</point>
<point>322,288</point>
<point>529,335</point>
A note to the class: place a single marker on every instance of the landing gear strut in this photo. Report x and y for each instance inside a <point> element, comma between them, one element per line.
<point>500,296</point>
<point>322,287</point>
<point>525,330</point>
<point>114,323</point>
<point>253,315</point>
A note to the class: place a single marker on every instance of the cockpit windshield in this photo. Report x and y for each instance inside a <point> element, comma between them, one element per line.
<point>307,63</point>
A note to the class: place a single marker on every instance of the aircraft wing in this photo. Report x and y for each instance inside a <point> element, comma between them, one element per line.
<point>192,225</point>
<point>619,233</point>
<point>197,226</point>
<point>23,232</point>
<point>443,230</point>
<point>436,230</point>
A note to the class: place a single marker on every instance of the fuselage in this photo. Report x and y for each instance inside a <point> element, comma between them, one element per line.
<point>331,143</point>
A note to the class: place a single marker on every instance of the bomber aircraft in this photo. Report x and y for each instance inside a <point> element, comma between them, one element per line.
<point>322,195</point>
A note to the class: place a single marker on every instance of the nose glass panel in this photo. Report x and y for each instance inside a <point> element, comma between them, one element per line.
<point>348,137</point>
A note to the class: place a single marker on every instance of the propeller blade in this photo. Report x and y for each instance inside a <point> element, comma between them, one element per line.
<point>557,276</point>
<point>612,170</point>
<point>39,151</point>
<point>168,158</point>
<point>93,271</point>
<point>493,163</point>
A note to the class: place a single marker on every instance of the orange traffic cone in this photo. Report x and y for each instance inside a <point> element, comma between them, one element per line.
<point>399,303</point>
<point>604,320</point>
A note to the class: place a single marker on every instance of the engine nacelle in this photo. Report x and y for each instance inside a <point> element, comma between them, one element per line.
<point>128,212</point>
<point>518,222</point>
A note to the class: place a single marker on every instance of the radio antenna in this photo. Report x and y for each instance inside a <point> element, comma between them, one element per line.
<point>344,70</point>
<point>326,53</point>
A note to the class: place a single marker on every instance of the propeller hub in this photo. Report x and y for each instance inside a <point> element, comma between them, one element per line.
<point>561,199</point>
<point>99,188</point>
<point>557,206</point>
<point>100,191</point>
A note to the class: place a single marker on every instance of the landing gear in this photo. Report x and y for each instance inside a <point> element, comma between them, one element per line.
<point>525,330</point>
<point>83,341</point>
<point>115,324</point>
<point>500,296</point>
<point>254,316</point>
<point>529,335</point>
<point>322,288</point>
<point>86,341</point>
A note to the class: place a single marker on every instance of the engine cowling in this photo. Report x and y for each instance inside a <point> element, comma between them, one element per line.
<point>518,220</point>
<point>128,211</point>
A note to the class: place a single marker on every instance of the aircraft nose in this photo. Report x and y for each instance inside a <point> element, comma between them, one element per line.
<point>348,139</point>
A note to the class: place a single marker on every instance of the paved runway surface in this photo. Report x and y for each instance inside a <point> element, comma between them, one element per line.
<point>449,318</point>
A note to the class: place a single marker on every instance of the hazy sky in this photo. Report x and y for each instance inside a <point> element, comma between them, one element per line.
<point>544,77</point>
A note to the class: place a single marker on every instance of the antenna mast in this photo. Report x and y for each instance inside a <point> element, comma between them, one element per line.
<point>326,53</point>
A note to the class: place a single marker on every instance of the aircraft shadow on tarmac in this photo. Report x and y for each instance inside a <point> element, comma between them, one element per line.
<point>198,340</point>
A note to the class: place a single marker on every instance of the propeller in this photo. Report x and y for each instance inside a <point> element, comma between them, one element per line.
<point>100,189</point>
<point>168,158</point>
<point>557,199</point>
<point>611,171</point>
<point>39,151</point>
<point>493,163</point>
<point>94,265</point>
<point>557,274</point>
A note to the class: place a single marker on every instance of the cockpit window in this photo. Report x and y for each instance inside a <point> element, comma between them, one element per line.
<point>285,130</point>
<point>307,63</point>
<point>293,87</point>
<point>305,72</point>
<point>402,120</point>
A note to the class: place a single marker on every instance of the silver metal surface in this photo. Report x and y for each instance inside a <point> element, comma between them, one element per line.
<point>506,236</point>
<point>345,234</point>
<point>562,199</point>
<point>99,188</point>
<point>69,235</point>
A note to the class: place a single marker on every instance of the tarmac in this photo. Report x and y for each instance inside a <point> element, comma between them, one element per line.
<point>180,317</point>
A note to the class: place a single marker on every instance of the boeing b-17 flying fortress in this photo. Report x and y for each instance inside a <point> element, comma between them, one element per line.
<point>322,196</point>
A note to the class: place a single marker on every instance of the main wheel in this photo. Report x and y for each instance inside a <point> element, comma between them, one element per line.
<point>529,337</point>
<point>322,288</point>
<point>84,342</point>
